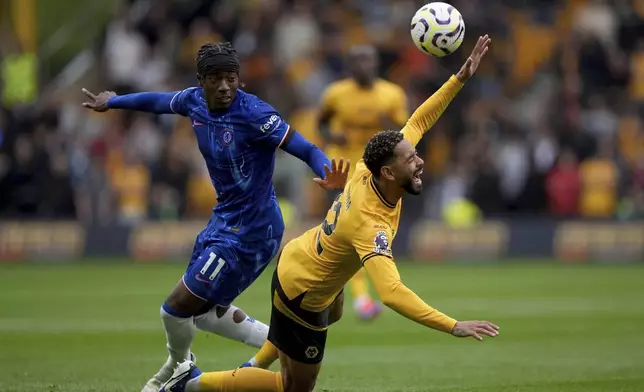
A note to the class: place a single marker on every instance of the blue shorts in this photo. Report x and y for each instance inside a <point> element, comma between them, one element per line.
<point>221,269</point>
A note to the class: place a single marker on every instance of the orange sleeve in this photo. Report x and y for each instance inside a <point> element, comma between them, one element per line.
<point>430,111</point>
<point>373,245</point>
<point>395,295</point>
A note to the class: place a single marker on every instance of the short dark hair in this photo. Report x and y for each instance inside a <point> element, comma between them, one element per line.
<point>380,150</point>
<point>219,56</point>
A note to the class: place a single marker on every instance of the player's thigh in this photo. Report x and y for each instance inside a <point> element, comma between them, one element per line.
<point>301,351</point>
<point>336,309</point>
<point>300,341</point>
<point>214,275</point>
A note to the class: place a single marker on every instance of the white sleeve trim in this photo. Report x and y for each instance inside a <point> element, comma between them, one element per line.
<point>176,95</point>
<point>288,128</point>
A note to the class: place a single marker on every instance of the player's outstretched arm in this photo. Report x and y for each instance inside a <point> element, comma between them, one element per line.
<point>394,294</point>
<point>150,102</point>
<point>430,111</point>
<point>330,175</point>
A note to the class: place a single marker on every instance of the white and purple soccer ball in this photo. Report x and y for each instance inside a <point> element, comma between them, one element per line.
<point>438,29</point>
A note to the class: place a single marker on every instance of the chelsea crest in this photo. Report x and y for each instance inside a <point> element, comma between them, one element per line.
<point>227,137</point>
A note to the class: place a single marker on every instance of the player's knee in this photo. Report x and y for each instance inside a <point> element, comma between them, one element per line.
<point>238,316</point>
<point>298,382</point>
<point>181,300</point>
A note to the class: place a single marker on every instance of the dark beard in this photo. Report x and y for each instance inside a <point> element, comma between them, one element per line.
<point>409,188</point>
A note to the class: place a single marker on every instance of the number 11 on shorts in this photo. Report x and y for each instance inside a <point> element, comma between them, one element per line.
<point>211,259</point>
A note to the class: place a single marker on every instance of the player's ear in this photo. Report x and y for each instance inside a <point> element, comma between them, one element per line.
<point>240,82</point>
<point>200,80</point>
<point>387,173</point>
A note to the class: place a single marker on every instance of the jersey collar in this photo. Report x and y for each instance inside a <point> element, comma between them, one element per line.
<point>380,195</point>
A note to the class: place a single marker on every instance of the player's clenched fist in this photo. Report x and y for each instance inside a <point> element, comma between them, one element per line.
<point>475,329</point>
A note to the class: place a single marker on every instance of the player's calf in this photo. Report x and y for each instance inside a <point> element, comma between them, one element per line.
<point>176,315</point>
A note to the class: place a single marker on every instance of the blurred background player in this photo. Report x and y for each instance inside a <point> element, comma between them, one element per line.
<point>238,135</point>
<point>353,110</point>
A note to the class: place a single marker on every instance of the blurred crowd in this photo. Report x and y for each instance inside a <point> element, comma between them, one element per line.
<point>551,124</point>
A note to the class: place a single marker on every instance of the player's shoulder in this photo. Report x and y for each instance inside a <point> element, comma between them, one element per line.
<point>259,115</point>
<point>360,171</point>
<point>377,233</point>
<point>389,87</point>
<point>188,97</point>
<point>253,106</point>
<point>341,86</point>
<point>367,200</point>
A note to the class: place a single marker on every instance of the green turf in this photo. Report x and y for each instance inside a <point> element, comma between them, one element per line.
<point>564,328</point>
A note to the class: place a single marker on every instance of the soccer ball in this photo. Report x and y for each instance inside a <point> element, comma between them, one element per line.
<point>437,29</point>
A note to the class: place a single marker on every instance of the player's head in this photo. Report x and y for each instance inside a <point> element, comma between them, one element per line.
<point>218,73</point>
<point>363,64</point>
<point>392,159</point>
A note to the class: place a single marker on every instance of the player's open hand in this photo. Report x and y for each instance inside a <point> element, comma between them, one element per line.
<point>472,62</point>
<point>336,177</point>
<point>475,329</point>
<point>98,102</point>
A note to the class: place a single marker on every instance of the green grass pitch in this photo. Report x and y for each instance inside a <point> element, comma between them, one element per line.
<point>95,327</point>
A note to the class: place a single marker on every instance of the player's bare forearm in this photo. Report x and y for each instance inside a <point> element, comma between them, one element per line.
<point>395,295</point>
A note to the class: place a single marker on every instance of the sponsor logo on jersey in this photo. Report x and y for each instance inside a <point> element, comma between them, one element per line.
<point>272,122</point>
<point>381,244</point>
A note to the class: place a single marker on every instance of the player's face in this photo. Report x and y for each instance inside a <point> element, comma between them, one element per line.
<point>407,168</point>
<point>220,88</point>
<point>364,66</point>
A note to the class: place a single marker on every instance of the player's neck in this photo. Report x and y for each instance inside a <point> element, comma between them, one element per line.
<point>365,84</point>
<point>390,192</point>
<point>215,108</point>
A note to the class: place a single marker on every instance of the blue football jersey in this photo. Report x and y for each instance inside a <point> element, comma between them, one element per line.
<point>239,146</point>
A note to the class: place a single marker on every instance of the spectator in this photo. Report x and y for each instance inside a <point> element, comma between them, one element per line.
<point>598,119</point>
<point>131,181</point>
<point>24,179</point>
<point>125,49</point>
<point>169,186</point>
<point>599,183</point>
<point>511,130</point>
<point>513,164</point>
<point>563,185</point>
